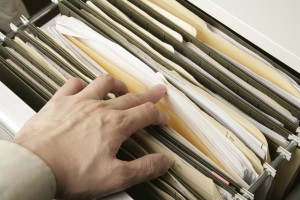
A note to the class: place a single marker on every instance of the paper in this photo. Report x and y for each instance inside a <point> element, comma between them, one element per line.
<point>244,84</point>
<point>185,26</point>
<point>275,137</point>
<point>168,189</point>
<point>141,42</point>
<point>42,62</point>
<point>69,66</point>
<point>271,85</point>
<point>159,193</point>
<point>196,180</point>
<point>217,42</point>
<point>123,17</point>
<point>143,14</point>
<point>185,117</point>
<point>74,51</point>
<point>34,83</point>
<point>171,180</point>
<point>212,106</point>
<point>35,70</point>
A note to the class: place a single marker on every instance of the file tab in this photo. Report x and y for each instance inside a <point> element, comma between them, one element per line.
<point>269,169</point>
<point>295,138</point>
<point>284,152</point>
<point>247,195</point>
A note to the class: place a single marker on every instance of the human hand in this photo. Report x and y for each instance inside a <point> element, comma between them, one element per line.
<point>78,134</point>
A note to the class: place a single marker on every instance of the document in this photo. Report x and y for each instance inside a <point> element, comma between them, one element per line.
<point>171,180</point>
<point>185,116</point>
<point>230,145</point>
<point>140,41</point>
<point>217,42</point>
<point>73,50</point>
<point>234,130</point>
<point>244,84</point>
<point>167,182</point>
<point>197,181</point>
<point>159,193</point>
<point>271,85</point>
<point>69,66</point>
<point>270,134</point>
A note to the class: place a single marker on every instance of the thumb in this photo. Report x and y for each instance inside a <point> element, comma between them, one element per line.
<point>146,168</point>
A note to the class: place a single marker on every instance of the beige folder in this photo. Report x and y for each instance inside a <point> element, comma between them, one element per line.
<point>212,39</point>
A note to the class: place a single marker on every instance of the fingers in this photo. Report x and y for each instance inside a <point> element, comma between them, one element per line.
<point>130,100</point>
<point>129,121</point>
<point>71,87</point>
<point>103,85</point>
<point>145,168</point>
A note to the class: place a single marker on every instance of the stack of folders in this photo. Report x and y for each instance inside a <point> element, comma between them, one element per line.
<point>230,110</point>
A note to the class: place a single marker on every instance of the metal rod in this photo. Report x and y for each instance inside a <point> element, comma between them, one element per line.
<point>280,158</point>
<point>41,13</point>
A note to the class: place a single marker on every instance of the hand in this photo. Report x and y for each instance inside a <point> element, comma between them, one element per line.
<point>78,135</point>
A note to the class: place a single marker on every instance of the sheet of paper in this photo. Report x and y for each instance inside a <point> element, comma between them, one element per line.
<point>185,116</point>
<point>161,194</point>
<point>193,149</point>
<point>67,63</point>
<point>171,180</point>
<point>217,42</point>
<point>73,50</point>
<point>142,55</point>
<point>248,87</point>
<point>140,41</point>
<point>231,40</point>
<point>275,137</point>
<point>168,189</point>
<point>51,62</point>
<point>186,172</point>
<point>174,187</point>
<point>208,103</point>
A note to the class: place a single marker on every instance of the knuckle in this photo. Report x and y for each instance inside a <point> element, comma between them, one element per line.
<point>93,107</point>
<point>123,175</point>
<point>100,105</point>
<point>120,121</point>
<point>150,108</point>
<point>108,78</point>
<point>76,81</point>
<point>150,169</point>
<point>136,98</point>
<point>118,117</point>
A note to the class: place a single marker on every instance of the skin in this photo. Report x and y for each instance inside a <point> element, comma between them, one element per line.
<point>78,135</point>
